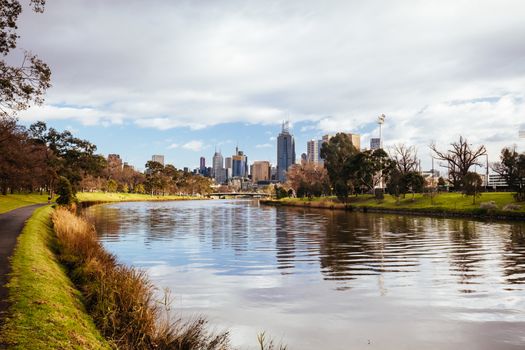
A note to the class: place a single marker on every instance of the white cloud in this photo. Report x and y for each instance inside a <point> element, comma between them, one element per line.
<point>264,145</point>
<point>209,63</point>
<point>173,146</point>
<point>194,145</point>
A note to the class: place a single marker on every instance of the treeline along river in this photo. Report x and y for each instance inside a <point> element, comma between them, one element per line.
<point>320,279</point>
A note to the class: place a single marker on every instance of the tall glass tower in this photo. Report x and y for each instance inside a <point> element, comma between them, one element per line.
<point>285,152</point>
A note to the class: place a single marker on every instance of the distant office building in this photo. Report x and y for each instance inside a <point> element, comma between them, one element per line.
<point>356,140</point>
<point>239,164</point>
<point>261,171</point>
<point>159,158</point>
<point>497,181</point>
<point>202,163</point>
<point>273,173</point>
<point>313,151</point>
<point>218,171</point>
<point>285,152</point>
<point>375,143</point>
<point>186,169</point>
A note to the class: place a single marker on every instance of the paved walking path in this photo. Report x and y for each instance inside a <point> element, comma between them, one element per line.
<point>11,224</point>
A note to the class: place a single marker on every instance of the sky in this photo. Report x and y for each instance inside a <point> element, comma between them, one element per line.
<point>183,78</point>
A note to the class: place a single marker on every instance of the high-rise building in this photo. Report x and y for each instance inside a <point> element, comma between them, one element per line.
<point>356,140</point>
<point>239,164</point>
<point>261,171</point>
<point>313,151</point>
<point>285,152</point>
<point>202,163</point>
<point>159,158</point>
<point>375,143</point>
<point>218,171</point>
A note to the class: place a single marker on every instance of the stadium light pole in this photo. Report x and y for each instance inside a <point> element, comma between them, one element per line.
<point>381,121</point>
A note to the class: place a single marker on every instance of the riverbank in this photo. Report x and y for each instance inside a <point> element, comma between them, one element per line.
<point>442,204</point>
<point>46,310</point>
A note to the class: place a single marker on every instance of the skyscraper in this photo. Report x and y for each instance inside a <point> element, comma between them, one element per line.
<point>239,164</point>
<point>218,171</point>
<point>285,152</point>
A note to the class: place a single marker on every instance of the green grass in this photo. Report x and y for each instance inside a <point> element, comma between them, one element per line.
<point>12,201</point>
<point>46,311</point>
<point>124,197</point>
<point>445,202</point>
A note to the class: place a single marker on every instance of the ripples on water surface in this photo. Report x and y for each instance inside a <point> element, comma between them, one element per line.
<point>329,279</point>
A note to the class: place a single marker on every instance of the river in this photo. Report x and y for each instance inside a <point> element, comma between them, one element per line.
<point>320,279</point>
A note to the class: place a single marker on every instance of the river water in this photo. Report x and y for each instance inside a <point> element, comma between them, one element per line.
<point>318,279</point>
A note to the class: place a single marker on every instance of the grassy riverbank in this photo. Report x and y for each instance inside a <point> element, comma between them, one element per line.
<point>442,203</point>
<point>47,311</point>
<point>13,201</point>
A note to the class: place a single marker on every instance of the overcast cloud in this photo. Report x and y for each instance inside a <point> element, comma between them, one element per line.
<point>437,69</point>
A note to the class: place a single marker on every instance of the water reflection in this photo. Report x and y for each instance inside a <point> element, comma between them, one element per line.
<point>382,276</point>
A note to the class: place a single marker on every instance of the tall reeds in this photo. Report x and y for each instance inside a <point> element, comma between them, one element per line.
<point>121,299</point>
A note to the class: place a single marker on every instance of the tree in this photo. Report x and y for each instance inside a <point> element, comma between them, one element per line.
<point>336,154</point>
<point>308,180</point>
<point>369,168</point>
<point>512,168</point>
<point>26,83</point>
<point>441,184</point>
<point>112,185</point>
<point>405,158</point>
<point>472,185</point>
<point>460,158</point>
<point>65,192</point>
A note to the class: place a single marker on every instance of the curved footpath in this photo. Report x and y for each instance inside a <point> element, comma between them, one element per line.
<point>11,224</point>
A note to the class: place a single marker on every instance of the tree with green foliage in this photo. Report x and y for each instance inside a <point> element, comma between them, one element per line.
<point>111,185</point>
<point>512,168</point>
<point>336,154</point>
<point>369,168</point>
<point>65,192</point>
<point>472,183</point>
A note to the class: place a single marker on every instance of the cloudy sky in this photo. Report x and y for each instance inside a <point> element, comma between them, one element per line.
<point>183,77</point>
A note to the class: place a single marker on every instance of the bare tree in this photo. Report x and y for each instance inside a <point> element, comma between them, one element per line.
<point>405,158</point>
<point>460,158</point>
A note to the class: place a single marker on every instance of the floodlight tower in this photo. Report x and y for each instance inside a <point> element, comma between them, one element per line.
<point>381,121</point>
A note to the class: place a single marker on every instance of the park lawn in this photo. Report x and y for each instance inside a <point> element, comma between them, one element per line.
<point>125,197</point>
<point>13,201</point>
<point>46,310</point>
<point>454,202</point>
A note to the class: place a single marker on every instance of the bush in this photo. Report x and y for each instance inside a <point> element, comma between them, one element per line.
<point>65,192</point>
<point>489,205</point>
<point>512,207</point>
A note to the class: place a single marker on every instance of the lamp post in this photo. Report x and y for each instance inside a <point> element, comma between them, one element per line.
<point>381,121</point>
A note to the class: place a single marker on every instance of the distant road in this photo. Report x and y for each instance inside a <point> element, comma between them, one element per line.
<point>11,224</point>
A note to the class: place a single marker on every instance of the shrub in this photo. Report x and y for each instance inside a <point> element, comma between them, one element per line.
<point>512,207</point>
<point>65,192</point>
<point>488,205</point>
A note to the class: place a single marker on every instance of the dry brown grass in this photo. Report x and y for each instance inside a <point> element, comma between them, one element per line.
<point>121,299</point>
